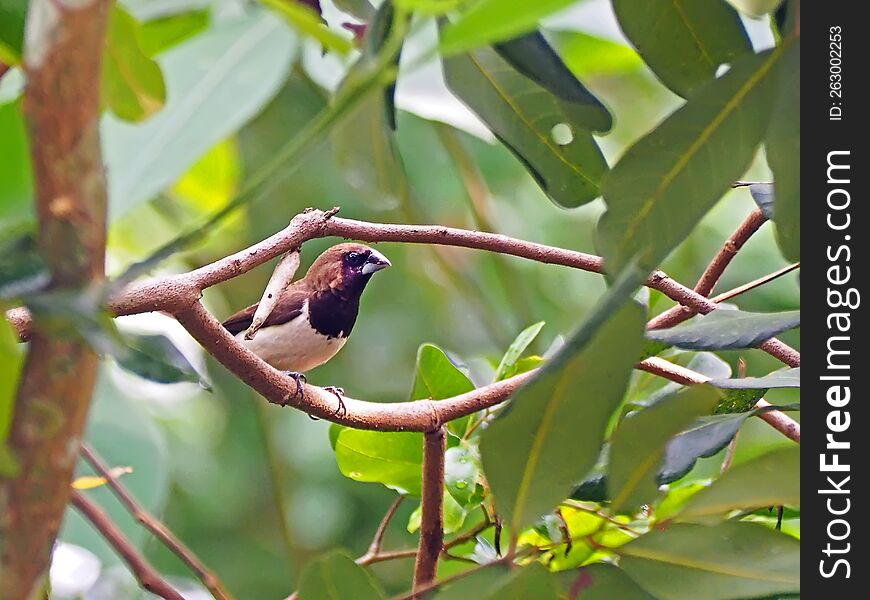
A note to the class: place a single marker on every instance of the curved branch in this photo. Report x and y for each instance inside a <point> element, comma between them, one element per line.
<point>178,292</point>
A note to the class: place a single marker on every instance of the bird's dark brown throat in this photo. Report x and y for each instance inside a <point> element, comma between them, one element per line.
<point>314,315</point>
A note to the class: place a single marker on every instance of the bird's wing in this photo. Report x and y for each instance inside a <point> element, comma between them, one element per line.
<point>288,308</point>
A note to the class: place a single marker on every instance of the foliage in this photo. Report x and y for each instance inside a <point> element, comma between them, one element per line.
<point>604,481</point>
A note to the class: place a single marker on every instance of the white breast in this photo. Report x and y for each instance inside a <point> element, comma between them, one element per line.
<point>293,346</point>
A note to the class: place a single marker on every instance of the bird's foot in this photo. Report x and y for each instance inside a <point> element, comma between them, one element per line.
<point>300,380</point>
<point>339,393</point>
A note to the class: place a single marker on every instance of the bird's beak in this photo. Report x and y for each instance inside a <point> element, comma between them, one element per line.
<point>375,263</point>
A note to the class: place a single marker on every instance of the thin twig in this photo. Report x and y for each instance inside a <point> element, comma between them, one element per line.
<point>155,526</point>
<point>145,574</point>
<point>378,539</point>
<point>729,250</point>
<point>431,508</point>
<point>678,314</point>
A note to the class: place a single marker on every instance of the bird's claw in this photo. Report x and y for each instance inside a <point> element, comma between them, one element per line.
<point>339,393</point>
<point>300,380</point>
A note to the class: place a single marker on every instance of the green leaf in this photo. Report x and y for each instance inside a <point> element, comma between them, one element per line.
<point>762,193</point>
<point>516,349</point>
<point>156,358</point>
<point>16,173</point>
<point>667,181</point>
<point>216,82</point>
<point>547,134</point>
<point>437,378</point>
<point>12,15</point>
<point>771,479</point>
<point>725,329</point>
<point>638,446</point>
<point>11,360</point>
<point>601,581</point>
<point>533,56</point>
<point>783,145</point>
<point>683,41</point>
<point>784,378</point>
<point>550,435</point>
<point>391,458</point>
<point>307,22</point>
<point>532,581</point>
<point>453,512</point>
<point>132,83</point>
<point>730,560</point>
<point>706,437</point>
<point>161,34</point>
<point>590,56</point>
<point>490,21</point>
<point>335,576</point>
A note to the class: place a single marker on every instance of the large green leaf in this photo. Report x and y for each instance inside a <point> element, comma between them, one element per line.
<point>12,15</point>
<point>706,437</point>
<point>601,581</point>
<point>589,56</point>
<point>783,145</point>
<point>132,83</point>
<point>769,480</point>
<point>533,56</point>
<point>489,21</point>
<point>730,560</point>
<point>638,446</point>
<point>668,180</point>
<point>532,581</point>
<point>550,435</point>
<point>548,134</point>
<point>335,576</point>
<point>683,41</point>
<point>516,349</point>
<point>215,82</point>
<point>726,329</point>
<point>393,459</point>
<point>364,144</point>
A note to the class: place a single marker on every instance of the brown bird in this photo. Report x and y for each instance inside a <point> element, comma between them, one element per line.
<point>314,315</point>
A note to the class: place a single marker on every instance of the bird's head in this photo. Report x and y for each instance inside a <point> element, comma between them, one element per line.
<point>346,268</point>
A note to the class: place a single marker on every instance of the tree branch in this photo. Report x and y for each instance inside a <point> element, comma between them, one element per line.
<point>432,508</point>
<point>179,292</point>
<point>62,60</point>
<point>776,419</point>
<point>155,526</point>
<point>145,574</point>
<point>729,250</point>
<point>378,539</point>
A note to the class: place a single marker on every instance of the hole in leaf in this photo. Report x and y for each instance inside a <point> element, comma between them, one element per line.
<point>562,134</point>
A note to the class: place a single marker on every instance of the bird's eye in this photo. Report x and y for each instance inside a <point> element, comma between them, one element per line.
<point>355,259</point>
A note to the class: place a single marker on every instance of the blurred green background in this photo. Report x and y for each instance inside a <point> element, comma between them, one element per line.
<point>253,488</point>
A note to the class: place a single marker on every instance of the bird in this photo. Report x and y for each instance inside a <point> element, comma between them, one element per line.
<point>314,315</point>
